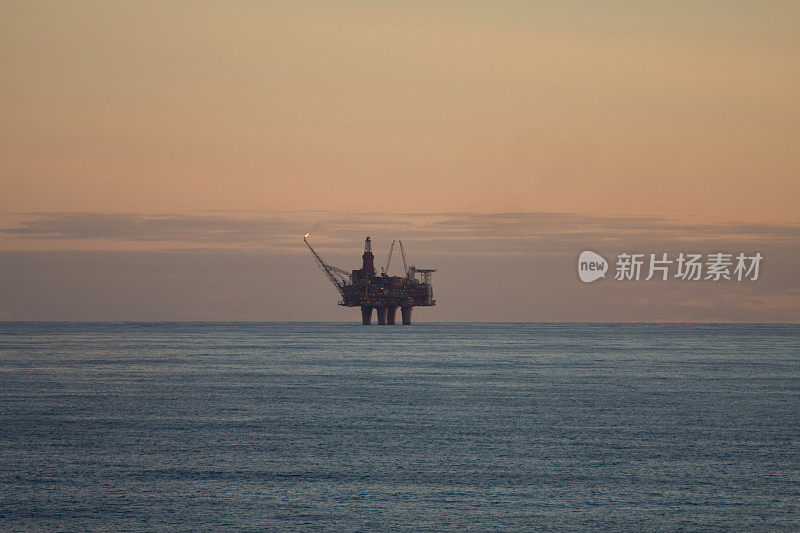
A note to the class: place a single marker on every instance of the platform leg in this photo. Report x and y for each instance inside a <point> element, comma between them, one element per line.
<point>406,312</point>
<point>381,315</point>
<point>366,315</point>
<point>391,312</point>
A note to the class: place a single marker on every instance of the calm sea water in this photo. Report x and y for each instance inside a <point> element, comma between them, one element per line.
<point>428,427</point>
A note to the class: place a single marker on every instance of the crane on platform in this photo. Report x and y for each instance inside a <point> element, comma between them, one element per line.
<point>403,253</point>
<point>339,277</point>
<point>385,270</point>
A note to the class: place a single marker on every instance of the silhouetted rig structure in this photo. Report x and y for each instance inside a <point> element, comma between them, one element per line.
<point>385,293</point>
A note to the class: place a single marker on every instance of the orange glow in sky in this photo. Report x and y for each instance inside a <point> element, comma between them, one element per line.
<point>679,109</point>
<point>491,136</point>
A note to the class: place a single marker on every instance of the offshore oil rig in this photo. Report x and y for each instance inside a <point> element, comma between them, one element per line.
<point>385,293</point>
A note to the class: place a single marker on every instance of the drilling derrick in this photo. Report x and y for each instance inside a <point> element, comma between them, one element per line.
<point>365,289</point>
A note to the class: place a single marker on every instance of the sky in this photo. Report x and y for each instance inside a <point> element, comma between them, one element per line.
<point>162,160</point>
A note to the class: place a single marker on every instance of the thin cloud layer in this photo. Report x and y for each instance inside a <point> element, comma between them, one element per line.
<point>443,232</point>
<point>138,227</point>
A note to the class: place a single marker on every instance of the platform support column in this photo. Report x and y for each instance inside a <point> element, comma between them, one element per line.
<point>366,315</point>
<point>406,312</point>
<point>391,312</point>
<point>381,315</point>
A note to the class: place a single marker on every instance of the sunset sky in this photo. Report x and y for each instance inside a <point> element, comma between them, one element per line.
<point>162,160</point>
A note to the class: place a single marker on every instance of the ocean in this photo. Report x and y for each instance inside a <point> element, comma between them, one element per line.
<point>429,427</point>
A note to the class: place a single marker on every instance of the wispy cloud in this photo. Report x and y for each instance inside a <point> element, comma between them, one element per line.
<point>138,227</point>
<point>445,231</point>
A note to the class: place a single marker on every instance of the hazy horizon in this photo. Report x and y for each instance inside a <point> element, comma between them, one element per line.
<point>358,323</point>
